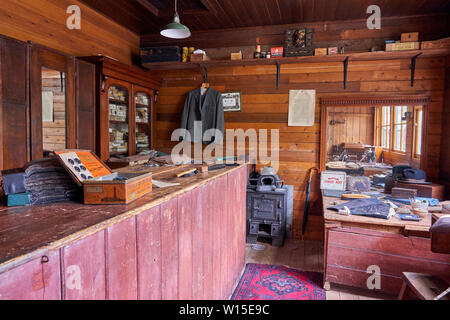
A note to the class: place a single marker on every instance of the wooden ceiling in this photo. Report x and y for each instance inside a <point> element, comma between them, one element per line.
<point>149,16</point>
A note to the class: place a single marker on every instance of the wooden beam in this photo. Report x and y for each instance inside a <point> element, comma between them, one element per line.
<point>210,6</point>
<point>150,7</point>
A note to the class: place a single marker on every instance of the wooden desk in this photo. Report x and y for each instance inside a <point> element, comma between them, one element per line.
<point>354,243</point>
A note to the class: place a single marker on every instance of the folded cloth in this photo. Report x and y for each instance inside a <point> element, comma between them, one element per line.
<point>365,207</point>
<point>431,202</point>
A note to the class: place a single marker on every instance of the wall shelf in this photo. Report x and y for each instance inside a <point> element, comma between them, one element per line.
<point>362,56</point>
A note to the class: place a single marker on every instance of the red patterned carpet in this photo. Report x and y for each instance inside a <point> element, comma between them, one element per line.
<point>267,282</point>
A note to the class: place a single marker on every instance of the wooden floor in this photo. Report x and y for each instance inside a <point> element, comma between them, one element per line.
<point>308,256</point>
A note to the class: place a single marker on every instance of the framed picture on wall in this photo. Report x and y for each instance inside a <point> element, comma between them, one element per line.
<point>231,101</point>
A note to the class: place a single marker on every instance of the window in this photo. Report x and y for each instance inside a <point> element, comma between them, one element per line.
<point>385,127</point>
<point>399,128</point>
<point>418,123</point>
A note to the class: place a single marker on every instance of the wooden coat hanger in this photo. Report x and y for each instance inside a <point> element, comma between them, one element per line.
<point>205,83</point>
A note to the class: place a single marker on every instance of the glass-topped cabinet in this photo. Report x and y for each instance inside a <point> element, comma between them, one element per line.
<point>143,119</point>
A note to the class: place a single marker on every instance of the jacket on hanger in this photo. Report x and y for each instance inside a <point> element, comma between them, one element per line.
<point>207,108</point>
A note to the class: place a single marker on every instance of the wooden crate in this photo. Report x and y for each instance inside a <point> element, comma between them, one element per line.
<point>435,191</point>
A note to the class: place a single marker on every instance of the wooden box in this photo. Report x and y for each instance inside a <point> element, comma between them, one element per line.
<point>437,44</point>
<point>410,37</point>
<point>435,191</point>
<point>100,184</point>
<point>236,56</point>
<point>400,46</point>
<point>199,57</point>
<point>320,51</point>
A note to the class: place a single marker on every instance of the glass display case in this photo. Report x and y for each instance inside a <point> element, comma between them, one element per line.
<point>118,99</point>
<point>142,101</point>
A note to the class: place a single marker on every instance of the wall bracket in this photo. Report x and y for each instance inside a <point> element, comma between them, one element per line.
<point>278,75</point>
<point>345,72</point>
<point>413,68</point>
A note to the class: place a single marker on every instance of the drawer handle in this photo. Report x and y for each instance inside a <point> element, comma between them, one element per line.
<point>44,259</point>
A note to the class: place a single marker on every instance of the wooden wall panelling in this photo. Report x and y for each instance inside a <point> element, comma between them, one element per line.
<point>85,102</point>
<point>265,107</point>
<point>149,254</point>
<point>169,250</point>
<point>44,22</point>
<point>34,280</point>
<point>84,275</point>
<point>14,96</point>
<point>45,57</point>
<point>121,265</point>
<point>445,144</point>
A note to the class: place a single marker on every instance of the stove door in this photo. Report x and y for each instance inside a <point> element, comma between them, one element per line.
<point>266,207</point>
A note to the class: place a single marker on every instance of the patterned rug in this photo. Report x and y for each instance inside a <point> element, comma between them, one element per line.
<point>267,282</point>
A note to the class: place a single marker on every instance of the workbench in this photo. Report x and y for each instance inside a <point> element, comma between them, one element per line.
<point>180,242</point>
<point>354,244</point>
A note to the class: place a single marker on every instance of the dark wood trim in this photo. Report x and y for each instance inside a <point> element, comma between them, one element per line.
<point>114,69</point>
<point>373,101</point>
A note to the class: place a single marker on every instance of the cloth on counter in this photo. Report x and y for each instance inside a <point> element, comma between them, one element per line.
<point>47,182</point>
<point>366,207</point>
<point>431,202</point>
<point>207,108</point>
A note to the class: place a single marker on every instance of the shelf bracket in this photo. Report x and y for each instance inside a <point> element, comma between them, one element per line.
<point>345,72</point>
<point>413,68</point>
<point>278,75</point>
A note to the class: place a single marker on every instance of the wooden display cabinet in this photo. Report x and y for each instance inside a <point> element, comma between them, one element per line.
<point>125,108</point>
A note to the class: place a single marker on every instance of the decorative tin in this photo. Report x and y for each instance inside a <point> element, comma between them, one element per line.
<point>333,183</point>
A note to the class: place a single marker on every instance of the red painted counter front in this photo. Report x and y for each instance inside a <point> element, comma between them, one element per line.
<point>191,246</point>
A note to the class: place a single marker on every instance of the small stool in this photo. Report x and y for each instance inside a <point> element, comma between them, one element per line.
<point>424,286</point>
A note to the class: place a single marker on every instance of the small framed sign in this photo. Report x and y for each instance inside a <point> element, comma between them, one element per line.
<point>231,101</point>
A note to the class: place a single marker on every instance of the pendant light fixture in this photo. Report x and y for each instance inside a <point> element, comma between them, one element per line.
<point>176,30</point>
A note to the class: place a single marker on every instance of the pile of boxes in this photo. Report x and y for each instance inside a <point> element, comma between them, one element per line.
<point>117,112</point>
<point>118,139</point>
<point>142,141</point>
<point>141,115</point>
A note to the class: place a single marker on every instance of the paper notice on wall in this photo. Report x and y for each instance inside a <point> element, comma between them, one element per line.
<point>302,105</point>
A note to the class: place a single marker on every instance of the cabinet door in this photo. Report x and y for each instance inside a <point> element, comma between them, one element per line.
<point>13,103</point>
<point>143,118</point>
<point>38,279</point>
<point>115,119</point>
<point>85,100</point>
<point>83,269</point>
<point>52,101</point>
<point>121,264</point>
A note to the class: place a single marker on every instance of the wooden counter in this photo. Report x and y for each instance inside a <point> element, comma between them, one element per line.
<point>353,244</point>
<point>162,246</point>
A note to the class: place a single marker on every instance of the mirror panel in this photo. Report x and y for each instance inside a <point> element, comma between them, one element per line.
<point>54,114</point>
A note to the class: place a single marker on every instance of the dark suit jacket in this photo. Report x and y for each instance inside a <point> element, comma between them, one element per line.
<point>208,109</point>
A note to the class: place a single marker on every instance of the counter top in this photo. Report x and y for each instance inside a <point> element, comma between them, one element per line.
<point>330,215</point>
<point>30,232</point>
